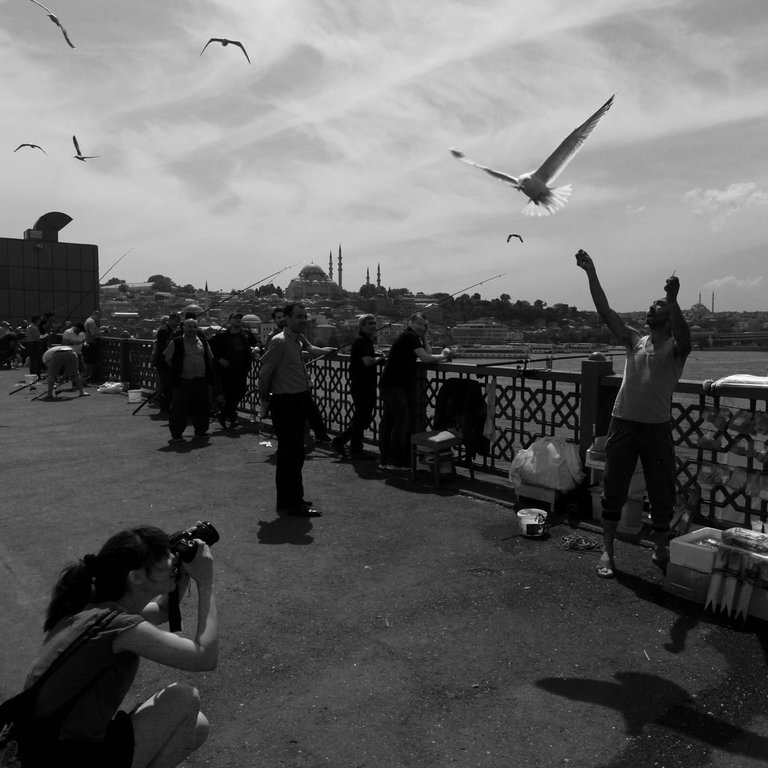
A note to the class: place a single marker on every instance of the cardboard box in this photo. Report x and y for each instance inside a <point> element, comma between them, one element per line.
<point>690,551</point>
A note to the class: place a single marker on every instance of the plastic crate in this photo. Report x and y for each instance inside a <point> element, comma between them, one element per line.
<point>690,552</point>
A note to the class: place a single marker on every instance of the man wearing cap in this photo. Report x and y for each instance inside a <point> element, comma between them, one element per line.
<point>165,332</point>
<point>233,349</point>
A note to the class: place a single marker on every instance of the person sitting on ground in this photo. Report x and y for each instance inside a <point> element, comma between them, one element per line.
<point>62,358</point>
<point>119,597</point>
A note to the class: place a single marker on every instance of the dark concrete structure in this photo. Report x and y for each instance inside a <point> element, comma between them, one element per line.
<point>39,274</point>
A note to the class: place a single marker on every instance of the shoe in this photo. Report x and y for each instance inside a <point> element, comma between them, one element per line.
<point>306,503</point>
<point>323,438</point>
<point>605,569</point>
<point>222,421</point>
<point>387,467</point>
<point>337,443</point>
<point>299,511</point>
<point>177,439</point>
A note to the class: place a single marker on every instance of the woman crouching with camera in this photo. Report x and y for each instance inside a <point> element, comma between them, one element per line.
<point>104,616</point>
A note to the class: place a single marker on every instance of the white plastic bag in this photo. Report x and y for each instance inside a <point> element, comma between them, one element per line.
<point>110,388</point>
<point>549,462</point>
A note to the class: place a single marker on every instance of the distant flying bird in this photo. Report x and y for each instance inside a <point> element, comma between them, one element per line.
<point>509,237</point>
<point>32,146</point>
<point>225,43</point>
<point>543,198</point>
<point>56,21</point>
<point>80,155</point>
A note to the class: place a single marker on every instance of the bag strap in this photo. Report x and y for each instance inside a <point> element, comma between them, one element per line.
<point>75,645</point>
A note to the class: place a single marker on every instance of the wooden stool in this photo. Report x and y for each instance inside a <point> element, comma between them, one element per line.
<point>436,446</point>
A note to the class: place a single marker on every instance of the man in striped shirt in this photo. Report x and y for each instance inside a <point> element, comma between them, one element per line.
<point>284,391</point>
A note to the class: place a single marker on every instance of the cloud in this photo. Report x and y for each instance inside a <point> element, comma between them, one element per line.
<point>730,282</point>
<point>721,204</point>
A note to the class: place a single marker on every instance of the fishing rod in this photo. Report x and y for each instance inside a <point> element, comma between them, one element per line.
<point>98,285</point>
<point>247,287</point>
<point>405,317</point>
<point>553,356</point>
<point>217,304</point>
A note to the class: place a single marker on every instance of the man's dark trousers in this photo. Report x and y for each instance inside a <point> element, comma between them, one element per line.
<point>289,413</point>
<point>234,384</point>
<point>364,401</point>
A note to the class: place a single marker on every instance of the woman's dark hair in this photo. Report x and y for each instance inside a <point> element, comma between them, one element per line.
<point>100,578</point>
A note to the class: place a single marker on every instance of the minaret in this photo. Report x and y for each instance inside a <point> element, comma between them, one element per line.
<point>330,265</point>
<point>340,283</point>
<point>713,302</point>
<point>378,275</point>
<point>699,297</point>
<point>367,276</point>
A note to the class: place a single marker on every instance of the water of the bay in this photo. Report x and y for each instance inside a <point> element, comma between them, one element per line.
<point>701,364</point>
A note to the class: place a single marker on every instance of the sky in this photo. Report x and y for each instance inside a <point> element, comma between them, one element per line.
<point>211,170</point>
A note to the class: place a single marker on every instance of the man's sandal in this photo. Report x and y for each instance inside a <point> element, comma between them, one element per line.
<point>605,570</point>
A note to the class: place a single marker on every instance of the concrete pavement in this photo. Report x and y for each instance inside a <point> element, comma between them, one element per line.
<point>402,628</point>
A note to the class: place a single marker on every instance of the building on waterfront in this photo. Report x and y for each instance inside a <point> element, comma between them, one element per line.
<point>482,331</point>
<point>39,274</point>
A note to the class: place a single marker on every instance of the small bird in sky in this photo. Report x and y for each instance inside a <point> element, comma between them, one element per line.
<point>32,146</point>
<point>80,155</point>
<point>225,43</point>
<point>56,21</point>
<point>509,237</point>
<point>543,198</point>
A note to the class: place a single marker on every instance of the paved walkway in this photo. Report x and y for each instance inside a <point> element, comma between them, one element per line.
<point>403,628</point>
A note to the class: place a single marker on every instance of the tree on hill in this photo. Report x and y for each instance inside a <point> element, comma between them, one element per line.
<point>114,281</point>
<point>162,283</point>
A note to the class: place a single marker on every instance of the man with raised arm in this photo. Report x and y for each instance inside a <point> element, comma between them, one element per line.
<point>640,422</point>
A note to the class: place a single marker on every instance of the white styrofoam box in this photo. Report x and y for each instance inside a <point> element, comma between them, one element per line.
<point>694,585</point>
<point>687,583</point>
<point>690,552</point>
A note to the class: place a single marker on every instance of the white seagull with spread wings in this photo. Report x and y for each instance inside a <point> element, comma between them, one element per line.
<point>56,21</point>
<point>543,198</point>
<point>225,43</point>
<point>80,155</point>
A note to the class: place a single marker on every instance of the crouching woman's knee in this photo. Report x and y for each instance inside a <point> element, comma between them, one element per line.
<point>185,700</point>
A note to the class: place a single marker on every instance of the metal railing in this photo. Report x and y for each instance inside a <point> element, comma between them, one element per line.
<point>728,479</point>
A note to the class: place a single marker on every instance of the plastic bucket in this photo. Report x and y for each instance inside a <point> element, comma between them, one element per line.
<point>30,378</point>
<point>532,522</point>
<point>135,396</point>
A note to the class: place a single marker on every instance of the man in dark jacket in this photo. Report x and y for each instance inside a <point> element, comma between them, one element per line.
<point>396,382</point>
<point>363,362</point>
<point>233,349</point>
<point>189,358</point>
<point>164,390</point>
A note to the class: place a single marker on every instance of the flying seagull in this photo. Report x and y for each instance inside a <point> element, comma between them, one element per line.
<point>543,198</point>
<point>32,146</point>
<point>56,21</point>
<point>509,237</point>
<point>225,43</point>
<point>80,155</point>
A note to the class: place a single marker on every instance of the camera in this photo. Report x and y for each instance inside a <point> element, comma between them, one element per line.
<point>183,543</point>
